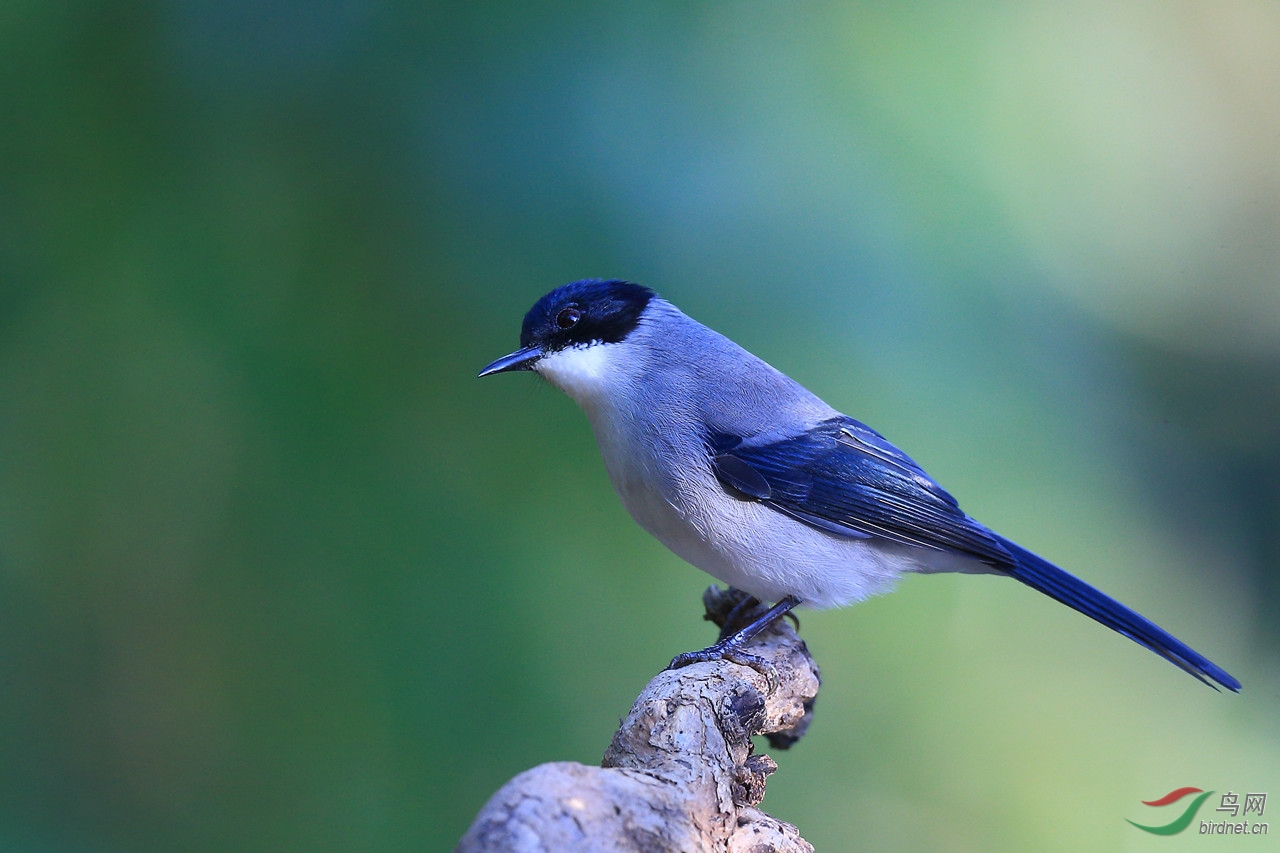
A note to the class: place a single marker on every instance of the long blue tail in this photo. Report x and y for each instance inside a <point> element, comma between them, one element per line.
<point>1040,574</point>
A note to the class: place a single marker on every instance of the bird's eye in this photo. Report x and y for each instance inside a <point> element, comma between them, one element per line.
<point>568,318</point>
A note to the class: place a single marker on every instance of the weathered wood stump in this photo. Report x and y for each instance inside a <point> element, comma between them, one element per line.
<point>682,773</point>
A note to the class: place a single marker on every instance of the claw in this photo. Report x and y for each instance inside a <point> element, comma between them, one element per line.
<point>732,652</point>
<point>759,664</point>
<point>731,647</point>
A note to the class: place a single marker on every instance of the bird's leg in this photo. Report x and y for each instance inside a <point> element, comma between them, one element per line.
<point>730,648</point>
<point>732,619</point>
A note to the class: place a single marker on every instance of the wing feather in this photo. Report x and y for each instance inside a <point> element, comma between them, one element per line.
<point>844,478</point>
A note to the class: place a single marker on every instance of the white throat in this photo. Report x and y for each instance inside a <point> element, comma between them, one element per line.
<point>583,372</point>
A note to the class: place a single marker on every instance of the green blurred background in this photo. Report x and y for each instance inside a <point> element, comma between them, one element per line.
<point>278,573</point>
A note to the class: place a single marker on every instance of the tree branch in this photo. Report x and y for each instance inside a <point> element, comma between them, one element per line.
<point>681,773</point>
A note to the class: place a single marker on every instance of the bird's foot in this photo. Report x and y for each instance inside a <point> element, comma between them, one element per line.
<point>732,652</point>
<point>732,643</point>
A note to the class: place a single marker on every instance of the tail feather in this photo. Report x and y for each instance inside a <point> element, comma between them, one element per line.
<point>1040,574</point>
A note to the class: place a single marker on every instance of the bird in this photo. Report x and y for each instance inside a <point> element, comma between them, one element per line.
<point>746,474</point>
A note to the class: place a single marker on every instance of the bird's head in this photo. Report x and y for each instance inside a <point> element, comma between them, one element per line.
<point>575,335</point>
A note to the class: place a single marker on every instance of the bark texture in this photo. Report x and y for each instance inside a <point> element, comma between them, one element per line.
<point>681,773</point>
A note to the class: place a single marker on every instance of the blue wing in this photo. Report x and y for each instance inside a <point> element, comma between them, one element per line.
<point>844,478</point>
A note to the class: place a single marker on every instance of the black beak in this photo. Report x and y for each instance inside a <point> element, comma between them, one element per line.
<point>521,359</point>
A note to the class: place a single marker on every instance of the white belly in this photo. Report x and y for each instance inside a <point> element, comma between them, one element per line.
<point>750,546</point>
